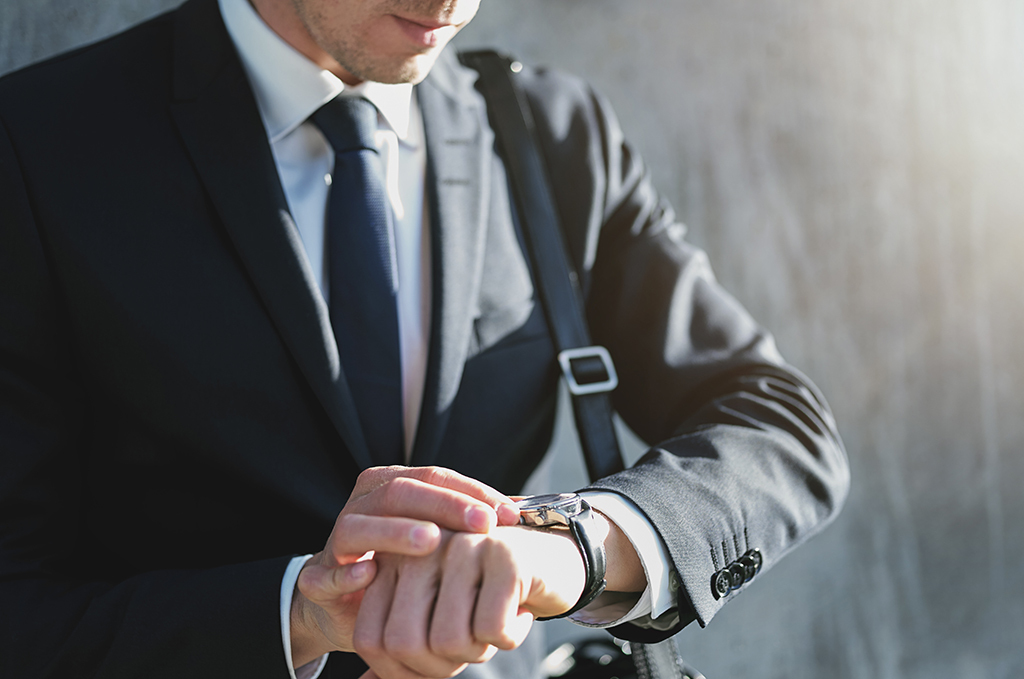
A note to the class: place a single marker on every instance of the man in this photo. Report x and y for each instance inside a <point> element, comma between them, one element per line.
<point>181,414</point>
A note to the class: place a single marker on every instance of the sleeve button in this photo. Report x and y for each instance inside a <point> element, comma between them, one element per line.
<point>739,574</point>
<point>749,568</point>
<point>756,559</point>
<point>721,583</point>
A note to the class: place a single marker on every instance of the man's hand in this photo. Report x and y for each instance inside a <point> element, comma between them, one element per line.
<point>394,510</point>
<point>475,594</point>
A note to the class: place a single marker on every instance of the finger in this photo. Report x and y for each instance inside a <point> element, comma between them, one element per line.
<point>508,515</point>
<point>374,478</point>
<point>410,497</point>
<point>368,636</point>
<point>407,629</point>
<point>451,629</point>
<point>321,584</point>
<point>356,534</point>
<point>496,617</point>
<point>389,668</point>
<point>519,627</point>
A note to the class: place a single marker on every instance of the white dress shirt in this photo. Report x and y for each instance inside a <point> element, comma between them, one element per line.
<point>288,89</point>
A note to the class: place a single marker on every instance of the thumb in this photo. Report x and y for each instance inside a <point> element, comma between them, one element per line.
<point>323,584</point>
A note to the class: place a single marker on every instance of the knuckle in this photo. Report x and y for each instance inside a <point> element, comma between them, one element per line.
<point>458,544</point>
<point>306,585</point>
<point>366,643</point>
<point>501,556</point>
<point>413,567</point>
<point>446,648</point>
<point>460,549</point>
<point>447,642</point>
<point>394,491</point>
<point>370,478</point>
<point>347,521</point>
<point>488,629</point>
<point>347,529</point>
<point>493,632</point>
<point>400,646</point>
<point>373,478</point>
<point>433,475</point>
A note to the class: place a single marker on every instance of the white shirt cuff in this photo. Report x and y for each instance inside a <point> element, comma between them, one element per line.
<point>656,605</point>
<point>312,669</point>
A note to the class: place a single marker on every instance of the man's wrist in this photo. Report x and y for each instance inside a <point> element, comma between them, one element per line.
<point>625,572</point>
<point>310,670</point>
<point>567,513</point>
<point>308,641</point>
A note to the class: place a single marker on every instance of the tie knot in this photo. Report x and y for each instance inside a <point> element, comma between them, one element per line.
<point>349,123</point>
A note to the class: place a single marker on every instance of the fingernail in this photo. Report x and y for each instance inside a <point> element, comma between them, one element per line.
<point>359,570</point>
<point>422,537</point>
<point>480,519</point>
<point>508,514</point>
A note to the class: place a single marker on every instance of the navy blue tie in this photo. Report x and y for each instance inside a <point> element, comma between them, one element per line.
<point>363,274</point>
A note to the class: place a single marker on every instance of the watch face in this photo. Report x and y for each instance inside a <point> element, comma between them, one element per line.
<point>559,500</point>
<point>549,510</point>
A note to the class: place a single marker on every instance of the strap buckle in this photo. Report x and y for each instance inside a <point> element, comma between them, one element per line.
<point>593,371</point>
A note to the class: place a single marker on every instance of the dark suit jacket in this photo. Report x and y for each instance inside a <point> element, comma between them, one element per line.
<point>174,423</point>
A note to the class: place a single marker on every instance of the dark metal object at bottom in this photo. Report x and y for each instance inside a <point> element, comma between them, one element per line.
<point>609,658</point>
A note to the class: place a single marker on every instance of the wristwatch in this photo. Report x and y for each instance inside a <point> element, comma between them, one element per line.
<point>570,511</point>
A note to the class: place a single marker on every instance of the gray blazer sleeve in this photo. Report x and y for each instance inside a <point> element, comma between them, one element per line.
<point>744,452</point>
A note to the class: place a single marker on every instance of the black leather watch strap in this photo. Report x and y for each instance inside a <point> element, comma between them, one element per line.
<point>594,559</point>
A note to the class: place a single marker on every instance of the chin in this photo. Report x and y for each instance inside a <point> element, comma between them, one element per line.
<point>409,70</point>
<point>415,71</point>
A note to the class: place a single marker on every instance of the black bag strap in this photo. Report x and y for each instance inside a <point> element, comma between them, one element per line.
<point>588,370</point>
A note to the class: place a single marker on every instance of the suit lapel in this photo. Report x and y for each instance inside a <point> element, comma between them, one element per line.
<point>459,148</point>
<point>220,125</point>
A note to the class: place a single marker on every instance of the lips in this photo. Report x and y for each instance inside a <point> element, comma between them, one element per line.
<point>426,23</point>
<point>424,32</point>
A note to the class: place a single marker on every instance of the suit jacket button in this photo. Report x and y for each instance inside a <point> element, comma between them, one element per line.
<point>721,583</point>
<point>755,558</point>
<point>739,574</point>
<point>749,567</point>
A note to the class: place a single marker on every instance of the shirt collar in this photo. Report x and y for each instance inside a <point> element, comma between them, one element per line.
<point>289,87</point>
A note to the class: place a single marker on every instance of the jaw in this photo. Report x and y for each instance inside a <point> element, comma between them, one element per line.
<point>389,41</point>
<point>393,49</point>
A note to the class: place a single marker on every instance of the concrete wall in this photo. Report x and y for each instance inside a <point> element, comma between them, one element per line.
<point>855,171</point>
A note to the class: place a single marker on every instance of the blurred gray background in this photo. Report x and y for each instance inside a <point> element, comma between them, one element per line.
<point>856,171</point>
